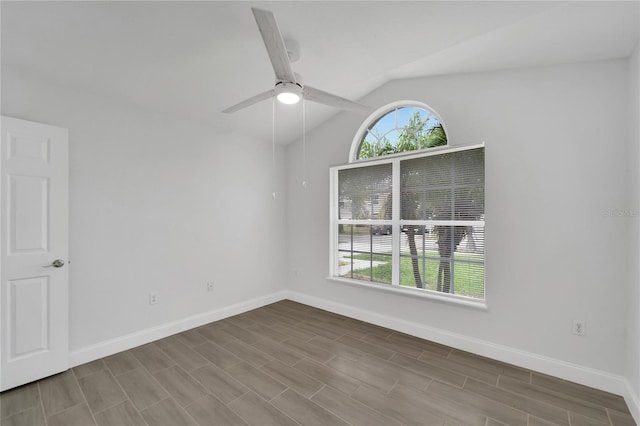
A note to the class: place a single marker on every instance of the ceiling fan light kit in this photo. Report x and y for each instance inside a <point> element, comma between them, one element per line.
<point>288,88</point>
<point>288,93</point>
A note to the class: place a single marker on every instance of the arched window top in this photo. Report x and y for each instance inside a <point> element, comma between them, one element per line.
<point>401,127</point>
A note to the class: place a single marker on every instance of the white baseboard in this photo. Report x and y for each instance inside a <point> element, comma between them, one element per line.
<point>565,370</point>
<point>633,401</point>
<point>110,347</point>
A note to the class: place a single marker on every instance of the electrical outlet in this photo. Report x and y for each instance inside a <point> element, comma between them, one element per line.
<point>579,328</point>
<point>153,298</point>
<point>210,286</point>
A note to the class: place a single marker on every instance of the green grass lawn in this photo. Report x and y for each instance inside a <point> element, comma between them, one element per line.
<point>468,277</point>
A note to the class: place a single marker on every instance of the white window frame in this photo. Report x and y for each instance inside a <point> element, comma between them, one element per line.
<point>397,224</point>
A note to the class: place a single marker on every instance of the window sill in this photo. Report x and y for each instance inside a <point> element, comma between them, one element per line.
<point>410,292</point>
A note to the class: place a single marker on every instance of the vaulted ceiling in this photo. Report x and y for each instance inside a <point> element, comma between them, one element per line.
<point>193,59</point>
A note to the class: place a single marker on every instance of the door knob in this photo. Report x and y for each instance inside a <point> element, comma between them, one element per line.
<point>58,263</point>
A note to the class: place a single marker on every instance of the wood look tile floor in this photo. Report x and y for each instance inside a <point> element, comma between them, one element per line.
<point>291,364</point>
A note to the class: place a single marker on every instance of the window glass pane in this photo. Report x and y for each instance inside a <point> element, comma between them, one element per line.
<point>389,143</point>
<point>371,138</point>
<point>364,252</point>
<point>441,264</point>
<point>365,192</point>
<point>385,123</point>
<point>368,146</point>
<point>468,279</point>
<point>434,204</point>
<point>408,278</point>
<point>416,242</point>
<point>443,187</point>
<point>403,129</point>
<point>426,172</point>
<point>469,203</point>
<point>473,242</point>
<point>423,239</point>
<point>406,113</point>
<point>469,182</point>
<point>434,134</point>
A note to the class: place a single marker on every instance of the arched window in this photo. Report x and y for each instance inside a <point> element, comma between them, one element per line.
<point>401,127</point>
<point>412,222</point>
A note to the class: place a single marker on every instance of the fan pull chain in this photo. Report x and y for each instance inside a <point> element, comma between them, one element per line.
<point>304,144</point>
<point>273,146</point>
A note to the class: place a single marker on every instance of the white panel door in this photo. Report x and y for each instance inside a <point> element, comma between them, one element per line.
<point>34,276</point>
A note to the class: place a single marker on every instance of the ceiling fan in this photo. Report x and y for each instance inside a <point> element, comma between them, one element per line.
<point>288,88</point>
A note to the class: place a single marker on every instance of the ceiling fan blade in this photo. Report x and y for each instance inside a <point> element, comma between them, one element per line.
<point>326,98</point>
<point>274,43</point>
<point>248,102</point>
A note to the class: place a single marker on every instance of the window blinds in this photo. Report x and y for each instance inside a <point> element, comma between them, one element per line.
<point>432,238</point>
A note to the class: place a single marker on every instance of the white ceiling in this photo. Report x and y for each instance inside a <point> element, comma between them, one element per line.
<point>193,59</point>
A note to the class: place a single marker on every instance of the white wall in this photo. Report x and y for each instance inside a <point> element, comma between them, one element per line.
<point>633,336</point>
<point>555,165</point>
<point>157,205</point>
